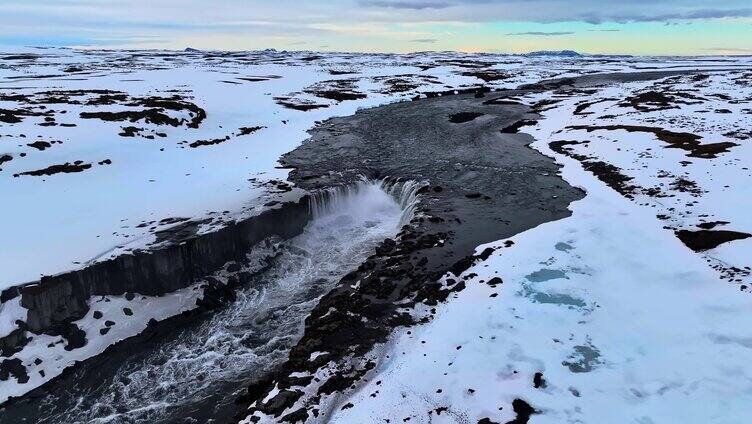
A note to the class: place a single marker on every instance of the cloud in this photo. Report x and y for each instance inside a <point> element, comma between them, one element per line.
<point>729,50</point>
<point>370,25</point>
<point>699,14</point>
<point>414,5</point>
<point>542,33</point>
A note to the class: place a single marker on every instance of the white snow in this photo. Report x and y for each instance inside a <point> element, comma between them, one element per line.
<point>11,311</point>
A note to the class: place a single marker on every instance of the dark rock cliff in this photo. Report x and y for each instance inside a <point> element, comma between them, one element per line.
<point>55,301</point>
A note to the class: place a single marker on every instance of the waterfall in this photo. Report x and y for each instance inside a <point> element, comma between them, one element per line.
<point>367,195</point>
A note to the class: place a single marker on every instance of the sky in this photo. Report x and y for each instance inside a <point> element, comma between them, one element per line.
<point>640,27</point>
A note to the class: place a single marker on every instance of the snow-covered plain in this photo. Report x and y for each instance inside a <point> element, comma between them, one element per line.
<point>616,313</point>
<point>67,220</point>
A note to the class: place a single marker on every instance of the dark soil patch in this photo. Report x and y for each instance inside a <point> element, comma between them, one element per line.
<point>523,411</point>
<point>130,131</point>
<point>14,116</point>
<point>678,140</point>
<point>340,72</point>
<point>337,90</point>
<point>77,166</point>
<point>177,104</point>
<point>40,145</point>
<point>515,128</point>
<point>211,142</point>
<point>609,174</point>
<point>248,130</point>
<point>580,109</point>
<point>653,100</point>
<point>711,225</point>
<point>489,75</point>
<point>154,112</point>
<point>241,131</point>
<point>298,104</point>
<point>260,78</point>
<point>538,381</point>
<point>150,116</point>
<point>339,96</point>
<point>458,118</point>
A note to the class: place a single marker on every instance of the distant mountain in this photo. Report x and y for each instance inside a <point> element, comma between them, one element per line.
<point>555,53</point>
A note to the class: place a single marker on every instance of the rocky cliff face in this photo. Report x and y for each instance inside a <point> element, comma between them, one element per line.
<point>55,301</point>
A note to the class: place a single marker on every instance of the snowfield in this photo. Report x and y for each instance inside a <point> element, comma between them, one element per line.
<point>635,309</point>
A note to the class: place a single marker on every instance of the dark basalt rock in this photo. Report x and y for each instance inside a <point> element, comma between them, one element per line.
<point>708,239</point>
<point>67,168</point>
<point>39,145</point>
<point>538,381</point>
<point>461,117</point>
<point>63,298</point>
<point>13,342</point>
<point>523,411</point>
<point>13,368</point>
<point>74,336</point>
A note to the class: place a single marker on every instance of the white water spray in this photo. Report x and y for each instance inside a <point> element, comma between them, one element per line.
<point>366,197</point>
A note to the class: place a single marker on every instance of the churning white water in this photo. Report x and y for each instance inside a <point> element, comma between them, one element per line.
<point>203,368</point>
